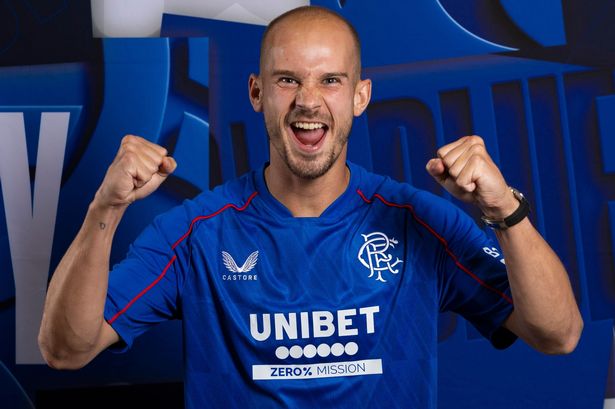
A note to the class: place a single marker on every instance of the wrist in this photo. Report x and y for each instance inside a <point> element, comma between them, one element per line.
<point>105,215</point>
<point>520,210</point>
<point>504,208</point>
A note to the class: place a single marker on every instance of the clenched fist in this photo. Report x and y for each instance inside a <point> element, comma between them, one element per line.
<point>139,167</point>
<point>465,170</point>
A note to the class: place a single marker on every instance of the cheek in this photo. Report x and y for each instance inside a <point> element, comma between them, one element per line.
<point>341,104</point>
<point>342,111</point>
<point>277,105</point>
<point>275,108</point>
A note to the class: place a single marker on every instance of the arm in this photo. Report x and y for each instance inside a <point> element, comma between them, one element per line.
<point>73,330</point>
<point>546,315</point>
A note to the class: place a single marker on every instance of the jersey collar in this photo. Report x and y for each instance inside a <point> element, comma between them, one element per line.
<point>346,202</point>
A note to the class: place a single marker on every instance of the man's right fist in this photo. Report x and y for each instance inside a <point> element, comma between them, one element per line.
<point>139,167</point>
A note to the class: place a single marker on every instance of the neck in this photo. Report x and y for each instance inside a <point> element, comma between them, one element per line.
<point>307,197</point>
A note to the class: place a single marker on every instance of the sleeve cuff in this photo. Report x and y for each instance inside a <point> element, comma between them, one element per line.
<point>502,338</point>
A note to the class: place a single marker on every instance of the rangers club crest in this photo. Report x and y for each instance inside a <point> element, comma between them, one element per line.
<point>374,255</point>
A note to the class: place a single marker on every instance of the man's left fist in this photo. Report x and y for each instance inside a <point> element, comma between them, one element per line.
<point>466,171</point>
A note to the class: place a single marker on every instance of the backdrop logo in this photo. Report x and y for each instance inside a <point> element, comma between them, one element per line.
<point>31,216</point>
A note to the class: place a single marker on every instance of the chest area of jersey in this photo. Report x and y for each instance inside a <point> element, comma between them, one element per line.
<point>361,254</point>
<point>319,296</point>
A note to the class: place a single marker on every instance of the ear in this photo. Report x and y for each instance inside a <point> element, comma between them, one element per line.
<point>255,92</point>
<point>362,95</point>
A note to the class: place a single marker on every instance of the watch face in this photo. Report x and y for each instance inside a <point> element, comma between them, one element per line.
<point>518,195</point>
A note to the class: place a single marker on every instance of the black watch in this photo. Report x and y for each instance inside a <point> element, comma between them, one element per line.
<point>521,213</point>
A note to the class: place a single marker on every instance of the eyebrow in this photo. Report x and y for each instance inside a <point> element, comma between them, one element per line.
<point>288,73</point>
<point>336,74</point>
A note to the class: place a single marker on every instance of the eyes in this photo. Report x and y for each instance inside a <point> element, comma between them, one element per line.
<point>332,80</point>
<point>290,82</point>
<point>287,81</point>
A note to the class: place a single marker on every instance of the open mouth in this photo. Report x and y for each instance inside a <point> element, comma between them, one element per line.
<point>310,135</point>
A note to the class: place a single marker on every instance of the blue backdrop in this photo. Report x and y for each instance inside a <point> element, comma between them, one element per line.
<point>535,80</point>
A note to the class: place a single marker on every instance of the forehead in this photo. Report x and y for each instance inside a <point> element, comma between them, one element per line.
<point>310,42</point>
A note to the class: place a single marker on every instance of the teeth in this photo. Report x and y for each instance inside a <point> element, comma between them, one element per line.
<point>308,125</point>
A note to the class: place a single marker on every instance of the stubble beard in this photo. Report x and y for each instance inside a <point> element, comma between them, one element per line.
<point>308,168</point>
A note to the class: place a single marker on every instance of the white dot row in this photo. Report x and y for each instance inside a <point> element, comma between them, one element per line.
<point>310,351</point>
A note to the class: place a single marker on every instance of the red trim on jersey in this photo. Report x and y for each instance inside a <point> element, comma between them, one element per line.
<point>164,271</point>
<point>440,239</point>
<point>209,216</point>
<point>145,290</point>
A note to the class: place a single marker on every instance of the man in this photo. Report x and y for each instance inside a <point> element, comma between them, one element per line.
<point>309,282</point>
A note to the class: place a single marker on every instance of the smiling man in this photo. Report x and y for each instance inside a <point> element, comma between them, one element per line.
<point>309,89</point>
<point>309,282</point>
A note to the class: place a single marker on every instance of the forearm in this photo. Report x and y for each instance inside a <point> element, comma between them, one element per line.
<point>546,315</point>
<point>73,314</point>
<point>73,330</point>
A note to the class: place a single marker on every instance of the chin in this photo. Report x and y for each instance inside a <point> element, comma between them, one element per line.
<point>311,169</point>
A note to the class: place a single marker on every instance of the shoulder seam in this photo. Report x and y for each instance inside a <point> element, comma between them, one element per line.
<point>174,257</point>
<point>441,239</point>
<point>214,214</point>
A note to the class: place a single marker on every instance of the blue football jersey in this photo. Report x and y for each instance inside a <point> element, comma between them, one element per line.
<point>334,311</point>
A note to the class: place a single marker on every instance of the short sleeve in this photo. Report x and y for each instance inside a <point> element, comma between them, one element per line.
<point>144,288</point>
<point>473,281</point>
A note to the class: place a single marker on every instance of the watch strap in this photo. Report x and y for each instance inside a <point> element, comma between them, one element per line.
<point>517,216</point>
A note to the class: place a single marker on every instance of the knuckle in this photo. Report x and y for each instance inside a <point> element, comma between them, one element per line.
<point>128,148</point>
<point>476,160</point>
<point>475,139</point>
<point>152,167</point>
<point>477,149</point>
<point>453,172</point>
<point>129,143</point>
<point>445,157</point>
<point>128,139</point>
<point>162,151</point>
<point>129,157</point>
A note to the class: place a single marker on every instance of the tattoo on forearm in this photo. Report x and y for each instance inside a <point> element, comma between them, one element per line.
<point>102,226</point>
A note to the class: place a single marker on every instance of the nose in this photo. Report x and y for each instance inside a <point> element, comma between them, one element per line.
<point>308,97</point>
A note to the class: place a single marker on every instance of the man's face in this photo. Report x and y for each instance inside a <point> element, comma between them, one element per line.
<point>309,91</point>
